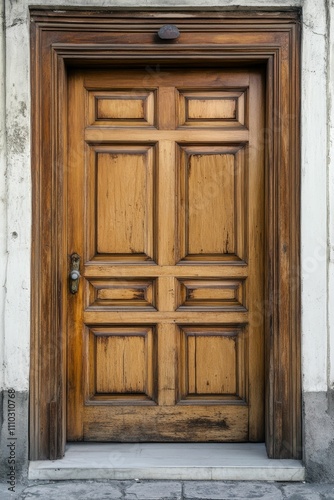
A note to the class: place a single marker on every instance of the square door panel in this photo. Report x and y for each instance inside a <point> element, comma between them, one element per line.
<point>122,108</point>
<point>121,364</point>
<point>121,187</point>
<point>212,364</point>
<point>212,203</point>
<point>121,294</point>
<point>211,293</point>
<point>211,108</point>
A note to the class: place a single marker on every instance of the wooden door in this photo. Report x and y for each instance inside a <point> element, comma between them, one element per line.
<point>165,207</point>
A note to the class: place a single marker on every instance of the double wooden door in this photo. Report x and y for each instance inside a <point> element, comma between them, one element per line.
<point>165,208</point>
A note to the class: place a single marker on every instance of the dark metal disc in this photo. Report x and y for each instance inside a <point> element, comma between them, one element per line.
<point>168,32</point>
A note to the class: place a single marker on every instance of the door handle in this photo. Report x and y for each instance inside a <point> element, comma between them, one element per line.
<point>74,275</point>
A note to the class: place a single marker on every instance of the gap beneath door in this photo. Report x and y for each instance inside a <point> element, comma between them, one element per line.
<point>178,461</point>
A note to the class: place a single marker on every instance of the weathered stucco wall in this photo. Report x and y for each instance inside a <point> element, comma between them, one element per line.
<point>3,214</point>
<point>330,168</point>
<point>317,206</point>
<point>314,199</point>
<point>318,239</point>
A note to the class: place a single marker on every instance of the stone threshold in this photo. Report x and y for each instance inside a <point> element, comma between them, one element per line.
<point>167,461</point>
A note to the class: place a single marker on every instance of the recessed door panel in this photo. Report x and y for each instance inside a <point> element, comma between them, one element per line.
<point>211,108</point>
<point>213,364</point>
<point>205,294</point>
<point>121,200</point>
<point>128,107</point>
<point>120,364</point>
<point>213,202</point>
<point>121,293</point>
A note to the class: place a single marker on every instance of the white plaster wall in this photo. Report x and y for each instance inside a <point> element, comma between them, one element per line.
<point>3,215</point>
<point>316,288</point>
<point>18,193</point>
<point>330,85</point>
<point>314,198</point>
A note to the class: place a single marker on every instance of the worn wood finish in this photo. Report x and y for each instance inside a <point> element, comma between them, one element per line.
<point>63,39</point>
<point>163,204</point>
<point>184,423</point>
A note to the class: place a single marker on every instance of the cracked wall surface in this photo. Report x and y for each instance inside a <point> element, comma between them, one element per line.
<point>317,203</point>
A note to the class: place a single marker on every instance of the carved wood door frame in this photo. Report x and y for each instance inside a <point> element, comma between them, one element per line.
<point>72,38</point>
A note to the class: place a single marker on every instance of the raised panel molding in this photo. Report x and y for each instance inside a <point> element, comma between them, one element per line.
<point>209,174</point>
<point>212,364</point>
<point>205,294</point>
<point>120,365</point>
<point>121,190</point>
<point>128,108</point>
<point>211,108</point>
<point>121,294</point>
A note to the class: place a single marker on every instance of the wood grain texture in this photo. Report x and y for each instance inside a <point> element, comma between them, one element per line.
<point>124,197</point>
<point>102,135</point>
<point>120,364</point>
<point>270,39</point>
<point>167,423</point>
<point>211,109</point>
<point>120,108</point>
<point>201,208</point>
<point>75,240</point>
<point>128,108</point>
<point>210,203</point>
<point>212,364</point>
<point>103,317</point>
<point>230,268</point>
<point>256,236</point>
<point>121,361</point>
<point>219,294</point>
<point>224,379</point>
<point>213,203</point>
<point>118,293</point>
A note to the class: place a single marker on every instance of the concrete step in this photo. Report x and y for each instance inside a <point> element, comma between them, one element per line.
<point>168,461</point>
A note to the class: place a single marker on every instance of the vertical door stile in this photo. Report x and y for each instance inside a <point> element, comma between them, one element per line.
<point>75,244</point>
<point>256,258</point>
<point>166,332</point>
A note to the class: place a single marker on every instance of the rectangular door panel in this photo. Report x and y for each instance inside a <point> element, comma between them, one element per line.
<point>127,107</point>
<point>121,189</point>
<point>165,208</point>
<point>213,203</point>
<point>211,108</point>
<point>213,364</point>
<point>109,294</point>
<point>120,364</point>
<point>206,293</point>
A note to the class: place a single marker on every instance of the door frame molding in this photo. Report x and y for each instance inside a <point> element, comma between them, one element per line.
<point>60,40</point>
